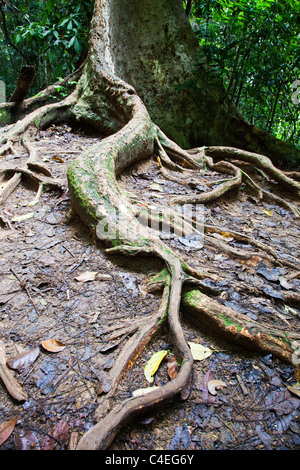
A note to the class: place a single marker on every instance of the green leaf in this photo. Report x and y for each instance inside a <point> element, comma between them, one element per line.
<point>71,42</point>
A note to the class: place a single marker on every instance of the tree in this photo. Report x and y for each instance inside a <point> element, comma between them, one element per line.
<point>253,46</point>
<point>135,86</point>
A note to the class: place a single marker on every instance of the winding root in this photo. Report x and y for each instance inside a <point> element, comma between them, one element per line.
<point>98,200</point>
<point>33,169</point>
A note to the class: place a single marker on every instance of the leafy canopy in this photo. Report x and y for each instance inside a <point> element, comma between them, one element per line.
<point>254,47</point>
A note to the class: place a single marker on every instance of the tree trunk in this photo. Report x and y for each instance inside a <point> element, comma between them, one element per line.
<point>150,45</point>
<point>139,88</point>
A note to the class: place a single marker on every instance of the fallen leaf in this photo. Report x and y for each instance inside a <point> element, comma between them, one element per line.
<point>153,364</point>
<point>269,213</point>
<point>86,276</point>
<point>294,389</point>
<point>172,367</point>
<point>60,432</point>
<point>53,345</point>
<point>284,283</point>
<point>214,385</point>
<point>199,352</point>
<point>23,360</point>
<point>156,187</point>
<point>6,429</point>
<point>186,391</point>
<point>26,440</point>
<point>193,241</point>
<point>253,261</point>
<point>273,293</point>
<point>142,391</point>
<point>269,274</point>
<point>20,218</point>
<point>104,382</point>
<point>57,159</point>
<point>282,402</point>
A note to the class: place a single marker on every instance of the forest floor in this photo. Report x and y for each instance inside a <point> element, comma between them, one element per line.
<point>41,299</point>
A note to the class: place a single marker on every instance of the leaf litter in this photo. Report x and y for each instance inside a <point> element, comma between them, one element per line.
<point>68,384</point>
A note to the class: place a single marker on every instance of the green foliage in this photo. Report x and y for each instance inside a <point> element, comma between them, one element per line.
<point>49,34</point>
<point>254,46</point>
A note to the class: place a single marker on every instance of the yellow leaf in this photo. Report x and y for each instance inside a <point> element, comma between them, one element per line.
<point>153,364</point>
<point>199,352</point>
<point>19,218</point>
<point>268,212</point>
<point>57,159</point>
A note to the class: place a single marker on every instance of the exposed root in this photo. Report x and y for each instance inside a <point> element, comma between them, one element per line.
<point>138,240</point>
<point>262,194</point>
<point>205,311</point>
<point>260,161</point>
<point>33,169</point>
<point>103,433</point>
<point>98,200</point>
<point>40,118</point>
<point>133,348</point>
<point>10,186</point>
<point>166,157</point>
<point>184,226</point>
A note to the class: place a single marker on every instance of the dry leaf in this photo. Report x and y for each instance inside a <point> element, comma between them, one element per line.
<point>153,364</point>
<point>6,429</point>
<point>214,385</point>
<point>20,218</point>
<point>199,352</point>
<point>57,159</point>
<point>60,432</point>
<point>295,389</point>
<point>24,360</point>
<point>253,261</point>
<point>53,345</point>
<point>186,391</point>
<point>86,276</point>
<point>156,187</point>
<point>172,367</point>
<point>26,440</point>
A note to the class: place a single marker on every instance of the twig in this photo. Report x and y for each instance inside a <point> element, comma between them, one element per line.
<point>7,377</point>
<point>23,285</point>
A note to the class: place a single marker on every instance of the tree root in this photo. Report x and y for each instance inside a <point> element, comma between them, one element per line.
<point>98,200</point>
<point>260,161</point>
<point>33,169</point>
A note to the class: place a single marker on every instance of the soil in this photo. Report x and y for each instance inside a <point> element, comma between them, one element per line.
<point>41,299</point>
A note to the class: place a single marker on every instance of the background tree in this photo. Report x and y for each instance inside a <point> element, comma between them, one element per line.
<point>49,35</point>
<point>253,46</point>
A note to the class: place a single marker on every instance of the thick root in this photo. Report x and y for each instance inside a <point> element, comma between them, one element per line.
<point>259,161</point>
<point>98,200</point>
<point>33,169</point>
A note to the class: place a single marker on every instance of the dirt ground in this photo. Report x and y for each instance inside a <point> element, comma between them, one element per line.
<point>41,299</point>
